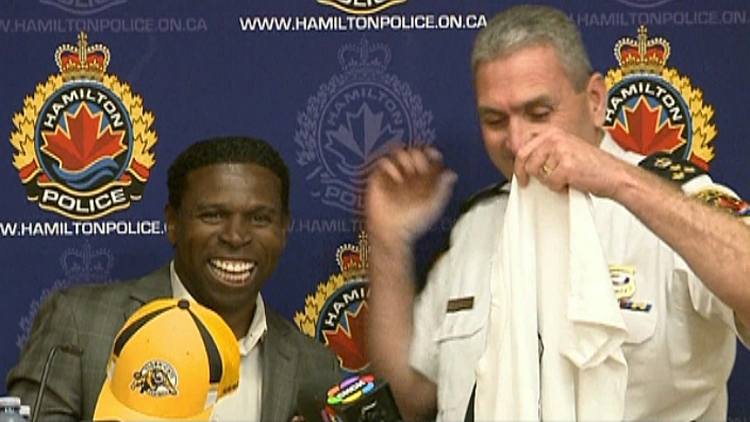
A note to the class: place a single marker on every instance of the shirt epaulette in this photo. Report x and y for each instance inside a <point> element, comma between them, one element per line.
<point>671,167</point>
<point>681,171</point>
<point>482,195</point>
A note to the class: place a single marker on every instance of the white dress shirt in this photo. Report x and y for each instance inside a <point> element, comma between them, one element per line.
<point>243,404</point>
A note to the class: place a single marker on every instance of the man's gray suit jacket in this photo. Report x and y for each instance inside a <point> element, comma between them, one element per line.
<point>91,316</point>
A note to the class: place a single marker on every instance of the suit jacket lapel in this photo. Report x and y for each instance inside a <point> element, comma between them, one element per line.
<point>280,361</point>
<point>153,286</point>
<point>139,292</point>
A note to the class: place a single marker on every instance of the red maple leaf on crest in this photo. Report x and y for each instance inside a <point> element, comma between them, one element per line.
<point>350,344</point>
<point>83,144</point>
<point>643,133</point>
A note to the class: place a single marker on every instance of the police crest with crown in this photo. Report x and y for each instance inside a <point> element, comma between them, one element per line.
<point>654,111</point>
<point>83,141</point>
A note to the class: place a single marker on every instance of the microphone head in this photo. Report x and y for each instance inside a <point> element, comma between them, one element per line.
<point>313,395</point>
<point>172,360</point>
<point>363,398</point>
<point>356,398</point>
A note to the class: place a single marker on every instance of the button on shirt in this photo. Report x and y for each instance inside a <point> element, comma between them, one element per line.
<point>244,404</point>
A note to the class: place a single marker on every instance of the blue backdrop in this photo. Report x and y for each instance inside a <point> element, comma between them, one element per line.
<point>330,83</point>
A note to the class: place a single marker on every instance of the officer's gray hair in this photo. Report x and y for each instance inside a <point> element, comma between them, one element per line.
<point>533,25</point>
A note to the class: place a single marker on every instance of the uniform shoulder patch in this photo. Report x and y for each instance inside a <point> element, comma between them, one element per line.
<point>492,191</point>
<point>671,167</point>
<point>724,199</point>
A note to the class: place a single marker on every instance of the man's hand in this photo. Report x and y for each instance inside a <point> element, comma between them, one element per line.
<point>406,193</point>
<point>559,159</point>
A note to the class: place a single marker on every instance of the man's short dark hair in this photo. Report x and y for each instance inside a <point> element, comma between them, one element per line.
<point>225,150</point>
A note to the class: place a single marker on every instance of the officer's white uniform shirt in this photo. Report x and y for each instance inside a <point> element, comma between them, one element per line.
<point>681,339</point>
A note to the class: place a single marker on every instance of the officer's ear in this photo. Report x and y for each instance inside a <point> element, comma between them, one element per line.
<point>596,95</point>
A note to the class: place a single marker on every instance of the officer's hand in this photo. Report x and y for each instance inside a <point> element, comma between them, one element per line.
<point>406,193</point>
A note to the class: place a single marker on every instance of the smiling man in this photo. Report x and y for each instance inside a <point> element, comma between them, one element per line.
<point>227,219</point>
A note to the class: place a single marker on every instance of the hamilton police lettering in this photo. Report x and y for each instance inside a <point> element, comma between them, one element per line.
<point>74,96</point>
<point>81,228</point>
<point>361,7</point>
<point>363,93</point>
<point>54,198</point>
<point>354,294</point>
<point>674,18</point>
<point>650,87</point>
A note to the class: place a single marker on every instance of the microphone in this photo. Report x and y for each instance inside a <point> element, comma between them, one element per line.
<point>313,395</point>
<point>357,398</point>
<point>71,349</point>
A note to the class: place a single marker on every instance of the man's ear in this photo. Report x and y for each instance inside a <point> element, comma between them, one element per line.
<point>170,217</point>
<point>596,94</point>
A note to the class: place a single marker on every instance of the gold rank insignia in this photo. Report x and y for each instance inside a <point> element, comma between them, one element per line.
<point>671,167</point>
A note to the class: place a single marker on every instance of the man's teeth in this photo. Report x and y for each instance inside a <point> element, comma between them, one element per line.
<point>233,270</point>
<point>232,266</point>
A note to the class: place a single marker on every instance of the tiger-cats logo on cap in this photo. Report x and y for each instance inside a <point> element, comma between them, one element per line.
<point>83,141</point>
<point>156,378</point>
<point>652,108</point>
<point>336,315</point>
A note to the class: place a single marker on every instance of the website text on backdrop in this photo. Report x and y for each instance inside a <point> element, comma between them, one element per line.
<point>227,218</point>
<point>673,302</point>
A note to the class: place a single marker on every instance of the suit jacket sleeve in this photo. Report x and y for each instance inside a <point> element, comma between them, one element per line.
<point>53,325</point>
<point>90,317</point>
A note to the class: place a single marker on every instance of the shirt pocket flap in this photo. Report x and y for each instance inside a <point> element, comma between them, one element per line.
<point>640,325</point>
<point>464,317</point>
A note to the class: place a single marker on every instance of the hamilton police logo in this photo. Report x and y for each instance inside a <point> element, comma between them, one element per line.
<point>336,315</point>
<point>354,119</point>
<point>651,108</point>
<point>84,144</point>
<point>362,7</point>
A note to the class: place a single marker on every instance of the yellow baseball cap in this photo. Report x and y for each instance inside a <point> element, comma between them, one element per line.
<point>173,360</point>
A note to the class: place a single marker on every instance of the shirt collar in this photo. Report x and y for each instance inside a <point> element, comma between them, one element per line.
<point>258,325</point>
